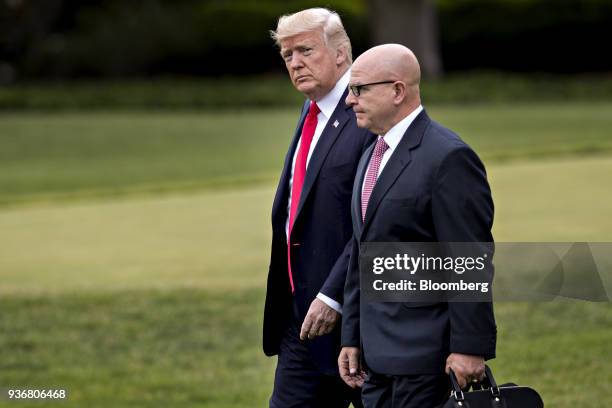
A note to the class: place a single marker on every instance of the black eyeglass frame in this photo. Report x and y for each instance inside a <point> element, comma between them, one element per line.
<point>356,89</point>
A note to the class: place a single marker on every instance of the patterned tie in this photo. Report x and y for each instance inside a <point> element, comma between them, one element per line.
<point>299,172</point>
<point>372,174</point>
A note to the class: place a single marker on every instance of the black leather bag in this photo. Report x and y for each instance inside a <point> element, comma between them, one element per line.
<point>488,394</point>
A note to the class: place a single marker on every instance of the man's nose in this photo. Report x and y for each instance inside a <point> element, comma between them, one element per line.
<point>296,62</point>
<point>350,99</point>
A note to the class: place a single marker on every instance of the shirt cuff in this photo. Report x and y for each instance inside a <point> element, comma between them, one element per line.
<point>330,302</point>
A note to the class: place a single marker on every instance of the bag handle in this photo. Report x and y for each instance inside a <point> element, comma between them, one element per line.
<point>457,392</point>
<point>494,388</point>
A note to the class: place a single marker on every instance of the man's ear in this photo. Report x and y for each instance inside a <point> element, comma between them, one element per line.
<point>340,56</point>
<point>400,92</point>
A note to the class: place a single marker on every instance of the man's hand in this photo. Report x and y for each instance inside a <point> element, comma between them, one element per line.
<point>467,368</point>
<point>319,320</point>
<point>350,370</point>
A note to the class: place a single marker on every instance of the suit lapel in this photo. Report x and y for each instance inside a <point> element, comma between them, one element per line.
<point>358,183</point>
<point>283,185</point>
<point>324,145</point>
<point>398,161</point>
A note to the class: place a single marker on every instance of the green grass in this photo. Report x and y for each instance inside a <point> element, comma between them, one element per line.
<point>560,349</point>
<point>511,132</point>
<point>109,153</point>
<point>161,93</point>
<point>191,240</point>
<point>276,91</point>
<point>144,301</point>
<point>44,156</point>
<point>172,241</point>
<point>201,348</point>
<point>137,348</point>
<point>547,200</point>
<point>152,300</point>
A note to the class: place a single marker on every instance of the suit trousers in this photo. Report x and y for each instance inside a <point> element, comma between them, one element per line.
<point>405,391</point>
<point>298,383</point>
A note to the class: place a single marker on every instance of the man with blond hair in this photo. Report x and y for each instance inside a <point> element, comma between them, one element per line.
<point>311,224</point>
<point>418,183</point>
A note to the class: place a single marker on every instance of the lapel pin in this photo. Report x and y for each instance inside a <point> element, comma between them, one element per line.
<point>336,123</point>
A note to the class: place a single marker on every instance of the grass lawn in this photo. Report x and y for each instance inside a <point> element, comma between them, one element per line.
<point>200,347</point>
<point>66,154</point>
<point>190,240</point>
<point>156,300</point>
<point>142,301</point>
<point>145,348</point>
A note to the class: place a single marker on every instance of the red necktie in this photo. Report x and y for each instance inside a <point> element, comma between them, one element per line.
<point>372,174</point>
<point>299,172</point>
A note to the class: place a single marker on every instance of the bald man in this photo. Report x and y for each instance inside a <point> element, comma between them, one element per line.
<point>419,183</point>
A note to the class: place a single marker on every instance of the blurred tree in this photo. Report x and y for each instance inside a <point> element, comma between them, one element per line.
<point>412,23</point>
<point>23,30</point>
<point>32,36</point>
<point>560,36</point>
<point>60,39</point>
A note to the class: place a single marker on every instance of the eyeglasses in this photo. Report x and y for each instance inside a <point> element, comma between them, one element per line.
<point>356,89</point>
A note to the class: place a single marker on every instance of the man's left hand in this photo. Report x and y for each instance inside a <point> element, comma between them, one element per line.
<point>349,367</point>
<point>467,368</point>
<point>320,319</point>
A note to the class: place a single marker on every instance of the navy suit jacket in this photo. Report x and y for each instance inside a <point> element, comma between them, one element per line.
<point>321,233</point>
<point>433,188</point>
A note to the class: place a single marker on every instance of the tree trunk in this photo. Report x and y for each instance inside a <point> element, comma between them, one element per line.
<point>412,23</point>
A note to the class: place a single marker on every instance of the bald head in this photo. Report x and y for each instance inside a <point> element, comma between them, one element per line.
<point>391,64</point>
<point>392,61</point>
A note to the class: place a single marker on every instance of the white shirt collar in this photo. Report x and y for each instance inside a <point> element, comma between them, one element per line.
<point>395,134</point>
<point>328,103</point>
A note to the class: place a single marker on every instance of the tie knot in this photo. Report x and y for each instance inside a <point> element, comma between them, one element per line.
<point>314,108</point>
<point>381,146</point>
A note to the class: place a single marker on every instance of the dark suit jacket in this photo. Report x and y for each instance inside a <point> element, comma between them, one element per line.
<point>321,232</point>
<point>433,188</point>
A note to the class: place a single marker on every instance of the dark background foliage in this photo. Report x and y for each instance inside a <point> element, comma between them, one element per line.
<point>58,39</point>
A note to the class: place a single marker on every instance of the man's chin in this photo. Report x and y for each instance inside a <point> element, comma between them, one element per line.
<point>361,121</point>
<point>307,88</point>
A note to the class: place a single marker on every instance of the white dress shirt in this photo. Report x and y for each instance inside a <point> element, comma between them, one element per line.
<point>392,138</point>
<point>327,106</point>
